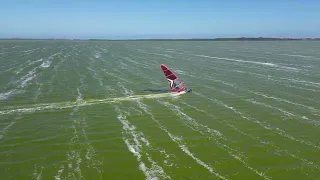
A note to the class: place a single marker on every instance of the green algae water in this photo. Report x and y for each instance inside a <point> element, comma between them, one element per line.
<point>80,110</point>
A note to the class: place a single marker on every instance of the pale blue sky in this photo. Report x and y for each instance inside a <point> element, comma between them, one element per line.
<point>159,18</point>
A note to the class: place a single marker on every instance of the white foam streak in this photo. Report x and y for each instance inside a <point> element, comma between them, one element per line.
<point>70,104</point>
<point>307,83</point>
<point>29,64</point>
<point>60,171</point>
<point>5,129</point>
<point>252,62</point>
<point>38,92</point>
<point>286,101</point>
<point>178,140</point>
<point>27,79</point>
<point>192,123</point>
<point>182,146</point>
<point>37,172</point>
<point>139,141</point>
<point>269,77</point>
<point>271,97</point>
<point>30,50</point>
<point>289,114</point>
<point>264,125</point>
<point>208,130</point>
<point>73,155</point>
<point>186,150</point>
<point>79,138</point>
<point>127,92</point>
<point>298,55</point>
<point>278,149</point>
<point>46,64</point>
<point>111,74</point>
<point>97,55</point>
<point>5,95</point>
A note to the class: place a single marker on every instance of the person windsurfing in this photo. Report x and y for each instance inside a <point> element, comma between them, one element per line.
<point>175,83</point>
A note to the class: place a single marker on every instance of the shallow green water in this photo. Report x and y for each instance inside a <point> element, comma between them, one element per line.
<point>78,110</point>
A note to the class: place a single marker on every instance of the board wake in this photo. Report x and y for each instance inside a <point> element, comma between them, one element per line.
<point>70,104</point>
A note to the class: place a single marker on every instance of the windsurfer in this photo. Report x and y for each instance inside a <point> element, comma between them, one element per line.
<point>175,83</point>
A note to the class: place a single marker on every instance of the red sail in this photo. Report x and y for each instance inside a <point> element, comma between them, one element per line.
<point>175,83</point>
<point>168,73</point>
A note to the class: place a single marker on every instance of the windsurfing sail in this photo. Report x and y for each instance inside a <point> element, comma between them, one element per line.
<point>174,82</point>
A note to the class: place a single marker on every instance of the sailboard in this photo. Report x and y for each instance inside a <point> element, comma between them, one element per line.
<point>175,84</point>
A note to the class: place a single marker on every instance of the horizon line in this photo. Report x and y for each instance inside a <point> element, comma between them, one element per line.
<point>194,38</point>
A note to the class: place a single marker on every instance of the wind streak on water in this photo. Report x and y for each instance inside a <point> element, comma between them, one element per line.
<point>262,124</point>
<point>278,149</point>
<point>286,79</point>
<point>286,101</point>
<point>268,77</point>
<point>283,82</point>
<point>45,62</point>
<point>5,129</point>
<point>180,143</point>
<point>298,55</point>
<point>136,146</point>
<point>23,66</point>
<point>312,109</point>
<point>145,108</point>
<point>253,62</point>
<point>278,66</point>
<point>23,82</point>
<point>111,74</point>
<point>287,113</point>
<point>199,128</point>
<point>95,72</point>
<point>96,76</point>
<point>177,140</point>
<point>37,172</point>
<point>78,142</point>
<point>136,70</point>
<point>74,155</point>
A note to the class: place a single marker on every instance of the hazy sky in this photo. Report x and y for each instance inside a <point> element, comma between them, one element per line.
<point>159,18</point>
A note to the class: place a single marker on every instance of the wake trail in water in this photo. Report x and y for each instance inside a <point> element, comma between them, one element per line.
<point>89,102</point>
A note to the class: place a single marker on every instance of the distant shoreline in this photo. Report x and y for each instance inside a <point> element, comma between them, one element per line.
<point>173,39</point>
